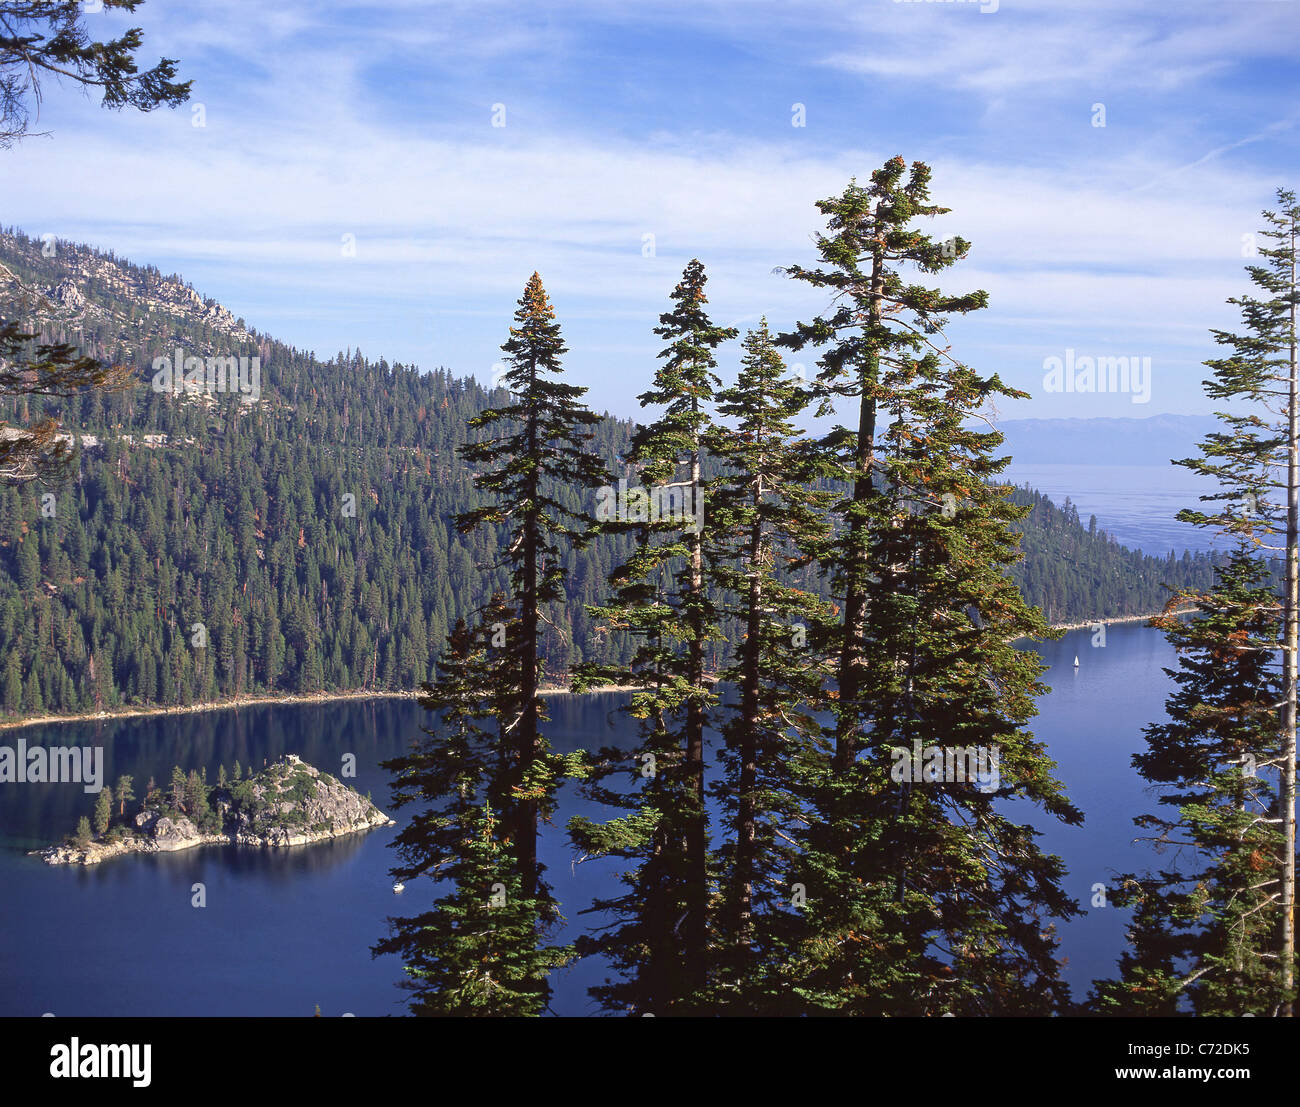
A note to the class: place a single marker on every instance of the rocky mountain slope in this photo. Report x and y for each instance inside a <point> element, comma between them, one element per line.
<point>72,292</point>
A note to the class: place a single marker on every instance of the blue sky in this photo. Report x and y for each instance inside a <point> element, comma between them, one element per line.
<point>675,120</point>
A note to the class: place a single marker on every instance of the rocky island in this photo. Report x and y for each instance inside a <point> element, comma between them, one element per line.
<point>289,803</point>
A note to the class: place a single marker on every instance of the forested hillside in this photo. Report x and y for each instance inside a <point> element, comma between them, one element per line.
<point>1076,572</point>
<point>208,546</point>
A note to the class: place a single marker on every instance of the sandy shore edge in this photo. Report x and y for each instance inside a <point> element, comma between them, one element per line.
<point>245,701</point>
<point>333,697</point>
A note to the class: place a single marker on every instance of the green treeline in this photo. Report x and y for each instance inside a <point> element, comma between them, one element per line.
<point>307,542</point>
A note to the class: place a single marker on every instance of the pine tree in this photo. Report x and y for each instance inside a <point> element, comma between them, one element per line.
<point>764,518</point>
<point>196,800</point>
<point>476,950</point>
<point>124,792</point>
<point>1263,371</point>
<point>177,789</point>
<point>923,898</point>
<point>480,955</point>
<point>1203,939</point>
<point>537,465</point>
<point>540,456</point>
<point>33,701</point>
<point>13,686</point>
<point>660,595</point>
<point>48,38</point>
<point>873,337</point>
<point>1216,933</point>
<point>103,811</point>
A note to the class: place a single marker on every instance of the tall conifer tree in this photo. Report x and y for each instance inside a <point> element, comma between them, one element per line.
<point>661,595</point>
<point>540,462</point>
<point>765,515</point>
<point>476,950</point>
<point>1262,369</point>
<point>537,465</point>
<point>1216,932</point>
<point>923,897</point>
<point>1206,925</point>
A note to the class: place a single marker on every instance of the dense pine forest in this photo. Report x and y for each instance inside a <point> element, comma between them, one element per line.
<point>204,547</point>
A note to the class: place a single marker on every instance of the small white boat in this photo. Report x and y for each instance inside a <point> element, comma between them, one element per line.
<point>1076,660</point>
<point>399,887</point>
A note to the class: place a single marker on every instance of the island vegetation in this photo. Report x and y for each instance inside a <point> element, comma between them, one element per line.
<point>286,803</point>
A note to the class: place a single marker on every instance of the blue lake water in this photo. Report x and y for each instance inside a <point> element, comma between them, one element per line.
<point>1136,504</point>
<point>284,930</point>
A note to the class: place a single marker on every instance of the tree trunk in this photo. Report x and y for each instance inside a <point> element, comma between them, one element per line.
<point>748,751</point>
<point>855,599</point>
<point>1289,660</point>
<point>696,831</point>
<point>527,742</point>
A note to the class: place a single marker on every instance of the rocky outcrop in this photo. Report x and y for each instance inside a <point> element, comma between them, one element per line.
<point>290,803</point>
<point>167,834</point>
<point>74,293</point>
<point>219,317</point>
<point>69,295</point>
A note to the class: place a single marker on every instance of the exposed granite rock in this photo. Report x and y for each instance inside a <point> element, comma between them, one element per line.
<point>79,295</point>
<point>69,295</point>
<point>290,803</point>
<point>170,834</point>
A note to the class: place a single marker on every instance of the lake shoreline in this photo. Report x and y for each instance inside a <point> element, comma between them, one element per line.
<point>296,699</point>
<point>1120,619</point>
<point>335,697</point>
<point>97,851</point>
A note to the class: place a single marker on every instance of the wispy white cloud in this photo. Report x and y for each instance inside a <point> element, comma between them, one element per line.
<point>1138,243</point>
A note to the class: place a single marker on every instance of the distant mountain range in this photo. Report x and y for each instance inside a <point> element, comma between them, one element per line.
<point>1152,441</point>
<point>110,307</point>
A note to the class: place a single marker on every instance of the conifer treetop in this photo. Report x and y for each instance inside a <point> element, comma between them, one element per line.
<point>876,318</point>
<point>1247,457</point>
